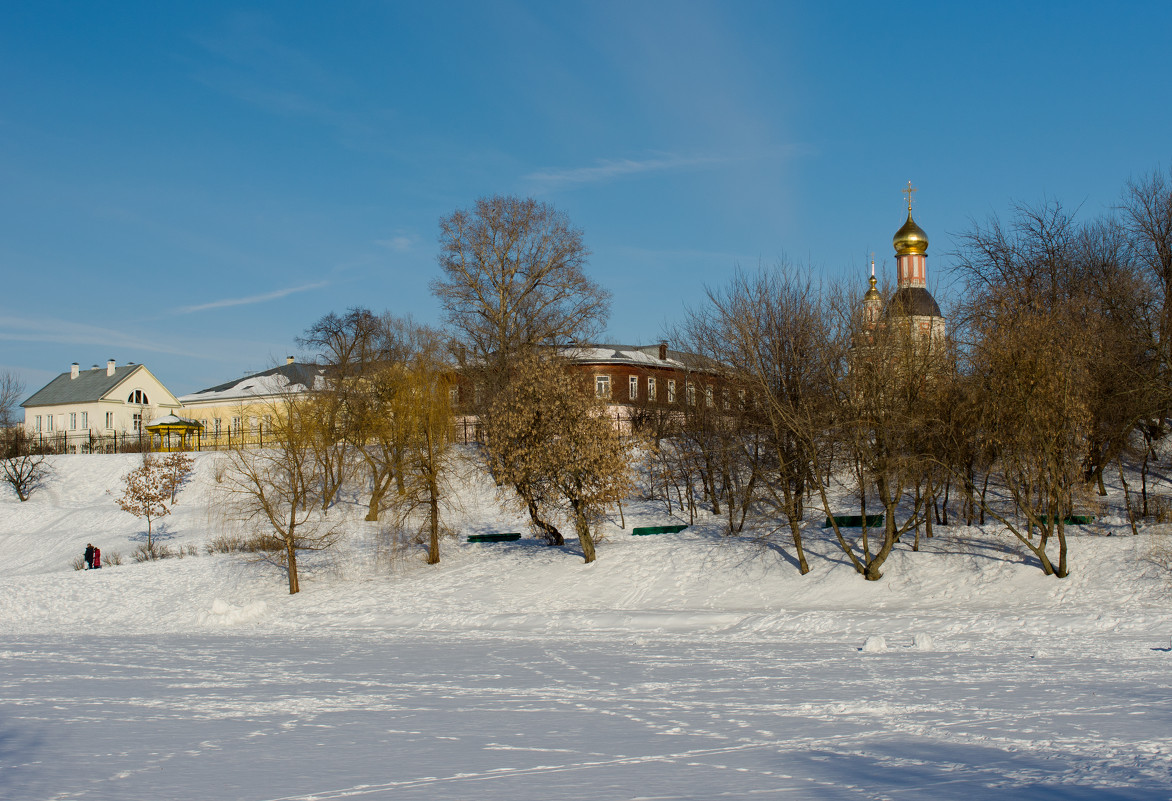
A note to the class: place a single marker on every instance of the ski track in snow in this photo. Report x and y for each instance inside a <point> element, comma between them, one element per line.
<point>682,667</point>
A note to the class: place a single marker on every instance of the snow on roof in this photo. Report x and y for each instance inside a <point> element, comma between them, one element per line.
<point>640,355</point>
<point>288,378</point>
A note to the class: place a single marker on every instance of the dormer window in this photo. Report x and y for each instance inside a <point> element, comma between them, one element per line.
<point>138,398</point>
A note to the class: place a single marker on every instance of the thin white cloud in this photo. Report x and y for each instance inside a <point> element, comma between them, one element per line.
<point>251,299</point>
<point>609,170</point>
<point>67,332</point>
<point>400,244</point>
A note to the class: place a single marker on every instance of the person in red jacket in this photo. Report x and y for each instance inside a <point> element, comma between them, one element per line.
<point>97,558</point>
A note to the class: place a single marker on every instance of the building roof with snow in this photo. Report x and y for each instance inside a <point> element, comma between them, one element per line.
<point>289,378</point>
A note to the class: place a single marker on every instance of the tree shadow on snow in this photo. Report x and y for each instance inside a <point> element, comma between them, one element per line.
<point>159,533</point>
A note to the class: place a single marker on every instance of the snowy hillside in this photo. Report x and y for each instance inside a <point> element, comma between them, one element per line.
<point>676,666</point>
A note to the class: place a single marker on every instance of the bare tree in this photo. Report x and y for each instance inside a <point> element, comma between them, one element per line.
<point>513,279</point>
<point>768,330</point>
<point>11,388</point>
<point>177,467</point>
<point>553,438</point>
<point>349,346</point>
<point>25,471</point>
<point>276,488</point>
<point>147,493</point>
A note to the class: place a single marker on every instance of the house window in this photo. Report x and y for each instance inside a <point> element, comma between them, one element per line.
<point>137,421</point>
<point>216,427</point>
<point>85,419</point>
<point>73,421</point>
<point>708,400</point>
<point>236,425</point>
<point>602,386</point>
<point>138,398</point>
<point>49,420</point>
<point>37,423</point>
<point>724,398</point>
<point>268,423</point>
<point>691,393</point>
<point>633,384</point>
<point>671,390</point>
<point>478,395</point>
<point>651,389</point>
<point>741,399</point>
<point>252,423</point>
<point>453,396</point>
<point>109,419</point>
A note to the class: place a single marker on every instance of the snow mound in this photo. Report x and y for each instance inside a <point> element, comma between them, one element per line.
<point>874,644</point>
<point>223,613</point>
<point>923,641</point>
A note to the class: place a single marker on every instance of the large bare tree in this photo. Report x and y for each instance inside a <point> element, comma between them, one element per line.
<point>513,279</point>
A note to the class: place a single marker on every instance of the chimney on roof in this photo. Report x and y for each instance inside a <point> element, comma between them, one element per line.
<point>110,367</point>
<point>663,351</point>
<point>74,371</point>
<point>288,360</point>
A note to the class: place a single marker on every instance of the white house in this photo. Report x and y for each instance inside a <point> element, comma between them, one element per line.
<point>98,401</point>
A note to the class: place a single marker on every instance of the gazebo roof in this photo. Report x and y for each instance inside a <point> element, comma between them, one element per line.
<point>171,421</point>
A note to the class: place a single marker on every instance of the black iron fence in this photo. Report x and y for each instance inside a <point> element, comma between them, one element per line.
<point>466,430</point>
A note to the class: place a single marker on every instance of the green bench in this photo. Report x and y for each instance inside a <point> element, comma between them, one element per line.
<point>510,537</point>
<point>854,521</point>
<point>643,531</point>
<point>1070,520</point>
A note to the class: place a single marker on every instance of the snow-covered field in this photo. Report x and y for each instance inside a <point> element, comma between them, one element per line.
<point>677,666</point>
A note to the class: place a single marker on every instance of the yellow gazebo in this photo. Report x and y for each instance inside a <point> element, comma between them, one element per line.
<point>172,433</point>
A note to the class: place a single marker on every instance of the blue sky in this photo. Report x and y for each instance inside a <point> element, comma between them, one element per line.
<point>190,186</point>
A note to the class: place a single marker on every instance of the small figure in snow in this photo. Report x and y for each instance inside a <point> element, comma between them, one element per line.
<point>97,558</point>
<point>89,556</point>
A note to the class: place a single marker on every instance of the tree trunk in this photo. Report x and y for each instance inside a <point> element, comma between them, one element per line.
<point>584,536</point>
<point>291,564</point>
<point>548,530</point>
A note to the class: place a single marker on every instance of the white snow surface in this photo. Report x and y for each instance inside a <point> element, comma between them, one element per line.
<point>678,666</point>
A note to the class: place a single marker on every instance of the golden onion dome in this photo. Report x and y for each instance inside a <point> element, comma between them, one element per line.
<point>910,238</point>
<point>872,293</point>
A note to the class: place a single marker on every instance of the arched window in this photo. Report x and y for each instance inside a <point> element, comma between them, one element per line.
<point>138,398</point>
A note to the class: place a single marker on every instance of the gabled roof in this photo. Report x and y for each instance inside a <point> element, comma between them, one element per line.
<point>292,377</point>
<point>89,386</point>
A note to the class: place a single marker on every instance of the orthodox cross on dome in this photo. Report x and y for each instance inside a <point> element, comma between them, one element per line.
<point>872,264</point>
<point>908,192</point>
